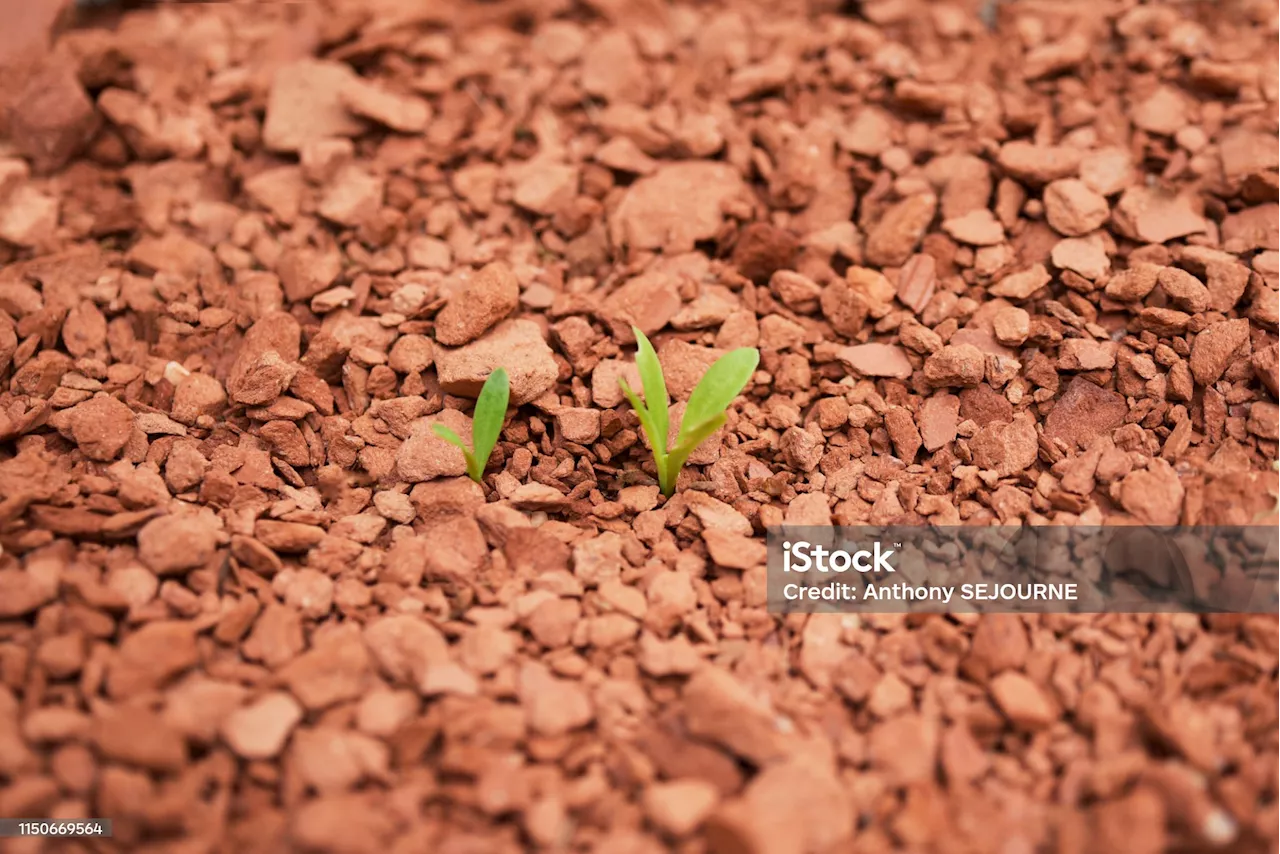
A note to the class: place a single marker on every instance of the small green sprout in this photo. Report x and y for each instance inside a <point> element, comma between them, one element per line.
<point>704,413</point>
<point>491,409</point>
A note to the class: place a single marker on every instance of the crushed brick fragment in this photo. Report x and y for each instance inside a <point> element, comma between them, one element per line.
<point>675,207</point>
<point>1022,701</point>
<point>899,230</point>
<point>1154,216</point>
<point>956,366</point>
<point>720,709</point>
<point>1084,412</point>
<point>305,104</point>
<point>260,729</point>
<point>876,360</point>
<point>100,427</point>
<point>517,345</point>
<point>1039,164</point>
<point>398,112</point>
<point>1212,349</point>
<point>177,542</point>
<point>1073,209</point>
<point>488,297</point>
<point>789,808</point>
<point>1134,283</point>
<point>1154,494</point>
<point>1022,284</point>
<point>51,119</point>
<point>978,227</point>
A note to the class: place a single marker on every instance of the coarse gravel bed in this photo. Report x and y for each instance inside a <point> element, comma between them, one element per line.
<point>1009,263</point>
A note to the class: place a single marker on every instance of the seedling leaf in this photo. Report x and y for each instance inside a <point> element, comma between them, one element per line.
<point>655,386</point>
<point>453,439</point>
<point>689,442</point>
<point>449,436</point>
<point>703,415</point>
<point>491,410</point>
<point>657,441</point>
<point>716,390</point>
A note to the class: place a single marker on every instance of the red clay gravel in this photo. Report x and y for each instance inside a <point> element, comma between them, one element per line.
<point>253,252</point>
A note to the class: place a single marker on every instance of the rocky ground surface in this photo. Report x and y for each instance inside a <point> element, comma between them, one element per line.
<point>1013,264</point>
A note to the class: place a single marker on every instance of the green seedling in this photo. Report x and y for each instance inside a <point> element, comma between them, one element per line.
<point>491,409</point>
<point>703,415</point>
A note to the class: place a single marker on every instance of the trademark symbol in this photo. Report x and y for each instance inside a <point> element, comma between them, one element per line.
<point>897,545</point>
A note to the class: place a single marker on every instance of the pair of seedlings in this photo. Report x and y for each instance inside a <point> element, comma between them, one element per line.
<point>704,414</point>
